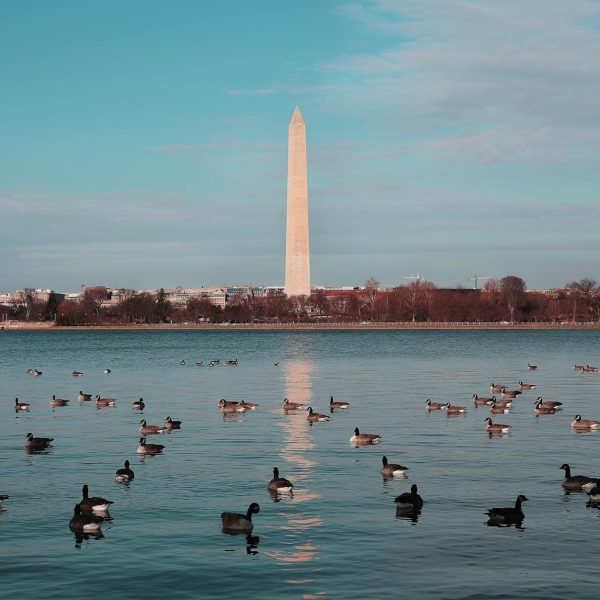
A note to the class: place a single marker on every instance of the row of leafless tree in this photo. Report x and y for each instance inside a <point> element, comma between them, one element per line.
<point>499,300</point>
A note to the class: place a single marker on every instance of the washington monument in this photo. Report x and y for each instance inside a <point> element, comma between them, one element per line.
<point>297,250</point>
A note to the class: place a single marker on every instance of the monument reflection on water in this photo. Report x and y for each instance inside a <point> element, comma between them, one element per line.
<point>297,440</point>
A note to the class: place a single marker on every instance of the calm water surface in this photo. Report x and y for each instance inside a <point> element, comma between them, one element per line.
<point>338,536</point>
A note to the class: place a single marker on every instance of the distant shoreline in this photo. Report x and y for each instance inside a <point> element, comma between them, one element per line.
<point>420,326</point>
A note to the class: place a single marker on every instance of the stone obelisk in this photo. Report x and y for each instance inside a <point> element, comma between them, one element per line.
<point>297,250</point>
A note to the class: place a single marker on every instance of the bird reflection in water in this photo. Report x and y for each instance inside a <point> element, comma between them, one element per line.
<point>252,541</point>
<point>518,524</point>
<point>80,536</point>
<point>407,514</point>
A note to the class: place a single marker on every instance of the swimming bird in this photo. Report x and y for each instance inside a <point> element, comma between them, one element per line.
<point>234,522</point>
<point>584,424</point>
<point>125,474</point>
<point>333,405</point>
<point>540,409</point>
<point>453,410</point>
<point>150,429</point>
<point>508,515</point>
<point>58,401</point>
<point>409,501</point>
<point>365,438</point>
<point>34,443</point>
<point>138,404</point>
<point>226,406</point>
<point>392,469</point>
<point>510,393</point>
<point>145,448</point>
<point>576,482</point>
<point>36,373</point>
<point>232,362</point>
<point>182,362</point>
<point>21,405</point>
<point>84,522</point>
<point>83,397</point>
<point>313,417</point>
<point>199,363</point>
<point>170,424</point>
<point>499,409</point>
<point>594,494</point>
<point>496,387</point>
<point>481,401</point>
<point>591,369</point>
<point>531,367</point>
<point>548,403</point>
<point>527,386</point>
<point>248,405</point>
<point>287,405</point>
<point>579,367</point>
<point>429,405</point>
<point>280,485</point>
<point>95,503</point>
<point>503,403</point>
<point>77,373</point>
<point>496,427</point>
<point>101,402</point>
<point>107,371</point>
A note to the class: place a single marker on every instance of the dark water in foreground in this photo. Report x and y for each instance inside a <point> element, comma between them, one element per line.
<point>338,536</point>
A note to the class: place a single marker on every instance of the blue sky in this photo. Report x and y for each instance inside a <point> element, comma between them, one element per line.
<point>143,144</point>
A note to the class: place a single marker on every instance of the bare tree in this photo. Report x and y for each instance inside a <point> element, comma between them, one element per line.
<point>580,295</point>
<point>512,292</point>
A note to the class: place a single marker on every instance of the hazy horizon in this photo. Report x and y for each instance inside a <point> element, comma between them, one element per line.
<point>145,145</point>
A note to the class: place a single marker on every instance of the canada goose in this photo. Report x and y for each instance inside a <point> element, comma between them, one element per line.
<point>579,367</point>
<point>391,469</point>
<point>36,373</point>
<point>84,397</point>
<point>527,386</point>
<point>100,402</point>
<point>510,393</point>
<point>58,401</point>
<point>496,387</point>
<point>540,409</point>
<point>333,405</point>
<point>21,405</point>
<point>496,427</point>
<point>480,401</point>
<point>199,363</point>
<point>84,522</point>
<point>182,362</point>
<point>3,497</point>
<point>313,417</point>
<point>138,404</point>
<point>279,484</point>
<point>238,522</point>
<point>230,407</point>
<point>548,403</point>
<point>409,500</point>
<point>287,405</point>
<point>107,371</point>
<point>584,424</point>
<point>509,514</point>
<point>365,438</point>
<point>170,424</point>
<point>150,429</point>
<point>503,403</point>
<point>576,482</point>
<point>145,448</point>
<point>232,363</point>
<point>125,474</point>
<point>429,405</point>
<point>531,367</point>
<point>499,409</point>
<point>594,494</point>
<point>94,503</point>
<point>34,443</point>
<point>453,410</point>
<point>591,369</point>
<point>248,405</point>
<point>77,373</point>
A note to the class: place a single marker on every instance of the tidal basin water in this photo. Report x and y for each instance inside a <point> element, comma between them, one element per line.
<point>338,536</point>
